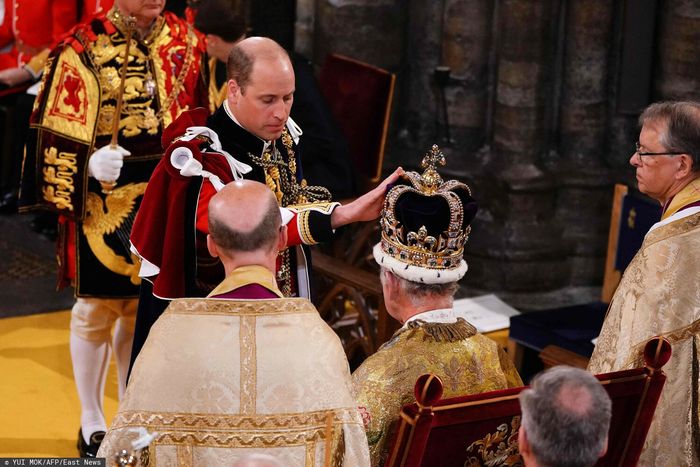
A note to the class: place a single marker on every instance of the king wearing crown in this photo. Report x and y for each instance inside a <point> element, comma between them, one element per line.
<point>425,224</point>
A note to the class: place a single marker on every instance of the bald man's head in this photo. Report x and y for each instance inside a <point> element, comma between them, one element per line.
<point>244,216</point>
<point>245,53</point>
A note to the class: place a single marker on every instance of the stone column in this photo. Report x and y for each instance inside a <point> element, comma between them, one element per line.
<point>677,74</point>
<point>367,30</point>
<point>414,114</point>
<point>304,28</point>
<point>466,49</point>
<point>517,246</point>
<point>585,190</point>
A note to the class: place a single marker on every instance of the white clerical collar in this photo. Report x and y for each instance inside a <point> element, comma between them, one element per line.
<point>441,315</point>
<point>674,217</point>
<point>266,144</point>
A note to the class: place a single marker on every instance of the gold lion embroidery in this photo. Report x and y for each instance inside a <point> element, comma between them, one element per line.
<point>59,169</point>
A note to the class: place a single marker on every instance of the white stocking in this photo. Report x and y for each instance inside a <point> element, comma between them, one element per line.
<point>90,363</point>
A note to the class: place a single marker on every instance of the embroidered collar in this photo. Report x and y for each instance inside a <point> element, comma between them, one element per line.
<point>690,194</point>
<point>246,275</point>
<point>441,315</point>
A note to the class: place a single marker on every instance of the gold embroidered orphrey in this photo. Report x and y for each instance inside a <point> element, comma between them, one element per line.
<point>281,385</point>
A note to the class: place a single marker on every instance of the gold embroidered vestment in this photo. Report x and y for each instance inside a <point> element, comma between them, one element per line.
<point>257,376</point>
<point>384,382</point>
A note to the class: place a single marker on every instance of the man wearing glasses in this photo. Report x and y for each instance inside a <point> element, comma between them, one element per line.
<point>660,291</point>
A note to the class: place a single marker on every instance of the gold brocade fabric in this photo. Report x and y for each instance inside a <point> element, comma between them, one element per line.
<point>385,381</point>
<point>220,379</point>
<point>217,94</point>
<point>659,294</point>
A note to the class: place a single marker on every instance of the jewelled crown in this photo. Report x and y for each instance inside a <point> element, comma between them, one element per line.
<point>425,224</point>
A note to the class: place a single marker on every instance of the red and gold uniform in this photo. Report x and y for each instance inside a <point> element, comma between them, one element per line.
<point>71,126</point>
<point>31,27</point>
<point>73,116</point>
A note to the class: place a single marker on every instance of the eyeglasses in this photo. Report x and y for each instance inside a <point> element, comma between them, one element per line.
<point>652,154</point>
<point>638,151</point>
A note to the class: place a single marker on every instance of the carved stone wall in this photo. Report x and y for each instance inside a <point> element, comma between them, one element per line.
<point>529,116</point>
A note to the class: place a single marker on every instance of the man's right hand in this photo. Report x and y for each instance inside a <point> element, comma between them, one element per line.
<point>106,163</point>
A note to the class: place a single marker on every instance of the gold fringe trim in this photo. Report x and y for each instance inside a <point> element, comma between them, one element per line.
<point>444,332</point>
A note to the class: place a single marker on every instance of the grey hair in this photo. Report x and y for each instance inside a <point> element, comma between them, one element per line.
<point>682,122</point>
<point>566,417</point>
<point>419,290</point>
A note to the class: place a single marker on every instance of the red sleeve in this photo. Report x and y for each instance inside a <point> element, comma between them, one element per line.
<point>64,15</point>
<point>205,194</point>
<point>6,35</point>
<point>293,237</point>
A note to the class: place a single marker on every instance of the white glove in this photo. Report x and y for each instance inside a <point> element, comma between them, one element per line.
<point>106,163</point>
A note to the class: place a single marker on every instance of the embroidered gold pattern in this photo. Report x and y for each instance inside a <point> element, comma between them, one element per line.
<point>73,99</point>
<point>141,111</point>
<point>284,273</point>
<point>248,365</point>
<point>115,214</point>
<point>59,170</point>
<point>310,454</point>
<point>184,455</point>
<point>497,449</point>
<point>281,176</point>
<point>198,306</point>
<point>304,229</point>
<point>295,429</point>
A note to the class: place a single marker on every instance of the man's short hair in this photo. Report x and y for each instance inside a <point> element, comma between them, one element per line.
<point>263,235</point>
<point>239,65</point>
<point>218,17</point>
<point>566,417</point>
<point>682,133</point>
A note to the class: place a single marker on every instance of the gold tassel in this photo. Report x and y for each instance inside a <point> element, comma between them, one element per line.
<point>444,332</point>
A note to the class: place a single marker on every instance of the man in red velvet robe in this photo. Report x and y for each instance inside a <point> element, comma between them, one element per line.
<point>250,136</point>
<point>248,370</point>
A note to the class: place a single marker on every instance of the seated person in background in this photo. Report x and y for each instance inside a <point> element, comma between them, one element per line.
<point>565,419</point>
<point>425,225</point>
<point>245,370</point>
<point>324,152</point>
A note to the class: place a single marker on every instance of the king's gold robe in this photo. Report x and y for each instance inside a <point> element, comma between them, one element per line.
<point>659,294</point>
<point>466,362</point>
<point>219,379</point>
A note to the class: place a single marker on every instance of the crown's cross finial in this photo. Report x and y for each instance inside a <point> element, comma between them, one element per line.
<point>431,178</point>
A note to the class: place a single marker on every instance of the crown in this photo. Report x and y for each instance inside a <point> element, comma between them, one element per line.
<point>425,224</point>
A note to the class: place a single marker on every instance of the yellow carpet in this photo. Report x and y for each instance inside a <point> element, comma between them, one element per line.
<point>40,413</point>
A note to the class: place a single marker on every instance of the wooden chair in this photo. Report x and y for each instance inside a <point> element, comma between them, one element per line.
<point>360,97</point>
<point>572,328</point>
<point>482,429</point>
